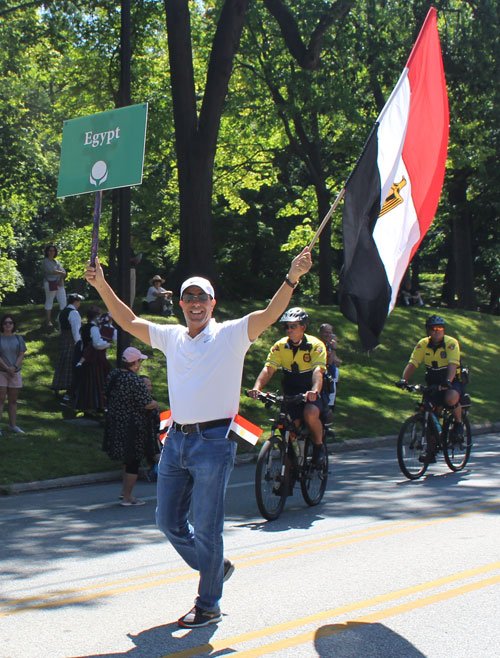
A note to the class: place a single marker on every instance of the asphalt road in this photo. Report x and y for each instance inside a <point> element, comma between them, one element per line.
<point>383,567</point>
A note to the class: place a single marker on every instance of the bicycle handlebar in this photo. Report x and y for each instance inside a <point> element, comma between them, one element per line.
<point>417,388</point>
<point>270,399</point>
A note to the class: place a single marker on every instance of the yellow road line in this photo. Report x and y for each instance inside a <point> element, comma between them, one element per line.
<point>219,645</point>
<point>367,619</point>
<point>269,555</point>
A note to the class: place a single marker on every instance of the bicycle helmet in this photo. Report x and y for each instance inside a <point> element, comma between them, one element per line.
<point>435,321</point>
<point>295,314</point>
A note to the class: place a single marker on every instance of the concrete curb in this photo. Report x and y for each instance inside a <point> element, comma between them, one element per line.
<point>243,458</point>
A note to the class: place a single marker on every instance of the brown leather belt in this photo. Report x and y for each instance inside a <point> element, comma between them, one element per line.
<point>196,428</point>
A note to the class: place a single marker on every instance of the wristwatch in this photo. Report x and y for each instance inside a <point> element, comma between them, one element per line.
<point>292,285</point>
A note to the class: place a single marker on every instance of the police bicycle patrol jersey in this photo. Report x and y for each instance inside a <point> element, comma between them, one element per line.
<point>436,358</point>
<point>297,363</point>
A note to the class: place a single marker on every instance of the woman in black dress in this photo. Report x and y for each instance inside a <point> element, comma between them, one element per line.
<point>93,368</point>
<point>126,433</point>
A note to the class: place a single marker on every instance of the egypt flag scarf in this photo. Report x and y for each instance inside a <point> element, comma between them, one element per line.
<point>392,194</point>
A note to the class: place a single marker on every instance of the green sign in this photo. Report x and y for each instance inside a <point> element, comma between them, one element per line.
<point>103,151</point>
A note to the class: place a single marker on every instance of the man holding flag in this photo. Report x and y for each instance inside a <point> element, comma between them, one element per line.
<point>204,365</point>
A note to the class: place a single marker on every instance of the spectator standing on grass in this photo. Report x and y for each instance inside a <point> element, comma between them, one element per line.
<point>70,322</point>
<point>127,435</point>
<point>332,362</point>
<point>204,368</point>
<point>107,329</point>
<point>12,351</point>
<point>94,367</point>
<point>53,282</point>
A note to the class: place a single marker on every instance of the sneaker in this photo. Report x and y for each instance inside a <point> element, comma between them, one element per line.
<point>228,569</point>
<point>17,430</point>
<point>198,617</point>
<point>457,433</point>
<point>129,503</point>
<point>318,454</point>
<point>427,458</point>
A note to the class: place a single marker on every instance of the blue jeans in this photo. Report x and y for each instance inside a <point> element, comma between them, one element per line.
<point>195,469</point>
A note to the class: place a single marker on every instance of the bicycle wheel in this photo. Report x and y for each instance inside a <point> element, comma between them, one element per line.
<point>411,444</point>
<point>456,454</point>
<point>270,484</point>
<point>314,476</point>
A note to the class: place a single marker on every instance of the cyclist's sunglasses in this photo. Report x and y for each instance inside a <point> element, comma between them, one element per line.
<point>437,328</point>
<point>293,325</point>
<point>189,297</point>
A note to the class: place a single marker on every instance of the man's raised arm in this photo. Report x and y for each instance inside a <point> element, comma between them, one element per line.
<point>261,320</point>
<point>122,314</point>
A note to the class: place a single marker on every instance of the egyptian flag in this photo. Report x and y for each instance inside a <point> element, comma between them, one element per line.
<point>393,192</point>
<point>165,423</point>
<point>243,432</point>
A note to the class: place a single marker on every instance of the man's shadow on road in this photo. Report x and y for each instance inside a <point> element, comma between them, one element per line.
<point>168,639</point>
<point>354,639</point>
<point>345,640</point>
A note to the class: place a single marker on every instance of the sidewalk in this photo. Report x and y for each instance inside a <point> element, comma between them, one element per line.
<point>242,458</point>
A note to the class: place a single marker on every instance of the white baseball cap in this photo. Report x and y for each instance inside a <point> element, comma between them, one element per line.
<point>202,283</point>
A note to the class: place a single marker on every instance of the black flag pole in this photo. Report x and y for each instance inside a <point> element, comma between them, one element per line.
<point>95,227</point>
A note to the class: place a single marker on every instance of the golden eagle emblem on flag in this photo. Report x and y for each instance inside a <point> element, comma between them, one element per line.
<point>394,198</point>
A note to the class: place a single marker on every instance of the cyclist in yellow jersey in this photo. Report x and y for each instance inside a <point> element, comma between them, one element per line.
<point>302,359</point>
<point>441,356</point>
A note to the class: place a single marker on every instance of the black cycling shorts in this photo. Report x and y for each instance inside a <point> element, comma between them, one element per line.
<point>437,398</point>
<point>297,410</point>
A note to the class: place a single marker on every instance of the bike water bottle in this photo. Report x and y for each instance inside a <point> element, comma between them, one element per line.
<point>437,426</point>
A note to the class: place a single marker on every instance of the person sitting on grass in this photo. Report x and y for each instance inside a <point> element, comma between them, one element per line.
<point>158,299</point>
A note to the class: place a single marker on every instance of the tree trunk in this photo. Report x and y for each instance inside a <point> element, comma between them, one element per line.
<point>124,193</point>
<point>196,137</point>
<point>449,283</point>
<point>112,275</point>
<point>415,272</point>
<point>464,273</point>
<point>461,241</point>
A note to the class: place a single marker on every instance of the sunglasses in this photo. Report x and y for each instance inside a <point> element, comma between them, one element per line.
<point>292,326</point>
<point>189,297</point>
<point>8,322</point>
<point>437,328</point>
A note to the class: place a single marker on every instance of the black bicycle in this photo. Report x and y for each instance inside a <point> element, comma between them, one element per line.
<point>286,458</point>
<point>429,431</point>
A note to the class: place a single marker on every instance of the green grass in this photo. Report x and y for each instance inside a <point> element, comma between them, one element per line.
<point>368,404</point>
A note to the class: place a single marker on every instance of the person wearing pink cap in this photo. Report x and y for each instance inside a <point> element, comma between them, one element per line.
<point>126,435</point>
<point>204,368</point>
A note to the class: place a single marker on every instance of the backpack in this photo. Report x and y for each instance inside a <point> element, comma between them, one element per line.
<point>464,375</point>
<point>328,383</point>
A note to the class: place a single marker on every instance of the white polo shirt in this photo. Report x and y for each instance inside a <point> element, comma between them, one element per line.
<point>204,373</point>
